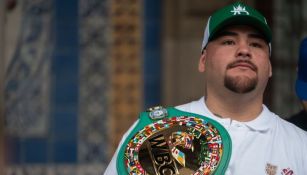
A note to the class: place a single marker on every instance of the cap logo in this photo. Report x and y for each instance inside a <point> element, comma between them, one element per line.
<point>238,10</point>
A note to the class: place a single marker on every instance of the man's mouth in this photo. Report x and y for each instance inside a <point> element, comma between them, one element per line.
<point>242,64</point>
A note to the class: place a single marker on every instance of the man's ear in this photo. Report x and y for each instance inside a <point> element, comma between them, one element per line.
<point>202,61</point>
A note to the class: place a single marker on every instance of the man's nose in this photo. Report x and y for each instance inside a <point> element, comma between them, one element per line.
<point>243,50</point>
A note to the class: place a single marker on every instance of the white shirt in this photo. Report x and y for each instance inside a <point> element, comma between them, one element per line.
<point>262,146</point>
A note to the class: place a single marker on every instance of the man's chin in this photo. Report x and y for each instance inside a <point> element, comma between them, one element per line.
<point>240,84</point>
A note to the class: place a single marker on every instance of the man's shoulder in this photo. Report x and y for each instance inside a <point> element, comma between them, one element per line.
<point>283,129</point>
<point>185,107</point>
<point>190,106</point>
<point>291,131</point>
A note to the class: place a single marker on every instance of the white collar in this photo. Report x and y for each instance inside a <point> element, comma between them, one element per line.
<point>261,123</point>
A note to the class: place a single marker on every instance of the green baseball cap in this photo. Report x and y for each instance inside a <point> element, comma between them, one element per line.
<point>236,14</point>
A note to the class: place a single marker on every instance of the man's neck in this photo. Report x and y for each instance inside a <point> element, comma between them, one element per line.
<point>239,107</point>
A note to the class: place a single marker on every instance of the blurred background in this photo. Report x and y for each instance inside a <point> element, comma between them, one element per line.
<point>74,74</point>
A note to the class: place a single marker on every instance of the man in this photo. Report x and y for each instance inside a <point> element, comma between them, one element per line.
<point>236,64</point>
<point>300,119</point>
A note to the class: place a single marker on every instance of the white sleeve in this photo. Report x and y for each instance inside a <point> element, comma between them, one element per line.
<point>111,168</point>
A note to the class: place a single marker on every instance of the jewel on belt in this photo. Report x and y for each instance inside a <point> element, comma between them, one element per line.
<point>157,112</point>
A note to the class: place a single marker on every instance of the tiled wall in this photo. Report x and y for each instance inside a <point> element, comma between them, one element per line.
<point>65,83</point>
<point>94,81</point>
<point>28,86</point>
<point>152,53</point>
<point>52,125</point>
<point>61,82</point>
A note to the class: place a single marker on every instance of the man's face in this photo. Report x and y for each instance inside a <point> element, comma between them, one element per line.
<point>238,59</point>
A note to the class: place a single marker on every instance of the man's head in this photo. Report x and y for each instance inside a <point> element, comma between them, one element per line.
<point>236,50</point>
<point>301,81</point>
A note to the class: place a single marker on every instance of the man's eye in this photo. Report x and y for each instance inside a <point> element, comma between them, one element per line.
<point>228,42</point>
<point>258,45</point>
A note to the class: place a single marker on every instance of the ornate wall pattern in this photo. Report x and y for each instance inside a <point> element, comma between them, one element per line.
<point>94,80</point>
<point>26,104</point>
<point>29,90</point>
<point>126,83</point>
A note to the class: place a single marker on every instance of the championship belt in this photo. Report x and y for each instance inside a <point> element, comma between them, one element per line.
<point>168,141</point>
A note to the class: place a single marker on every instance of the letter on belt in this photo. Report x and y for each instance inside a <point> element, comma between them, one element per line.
<point>168,141</point>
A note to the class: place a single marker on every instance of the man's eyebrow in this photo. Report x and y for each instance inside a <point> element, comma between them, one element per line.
<point>230,33</point>
<point>224,33</point>
<point>257,35</point>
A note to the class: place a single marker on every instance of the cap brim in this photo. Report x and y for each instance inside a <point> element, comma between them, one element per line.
<point>301,89</point>
<point>245,20</point>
